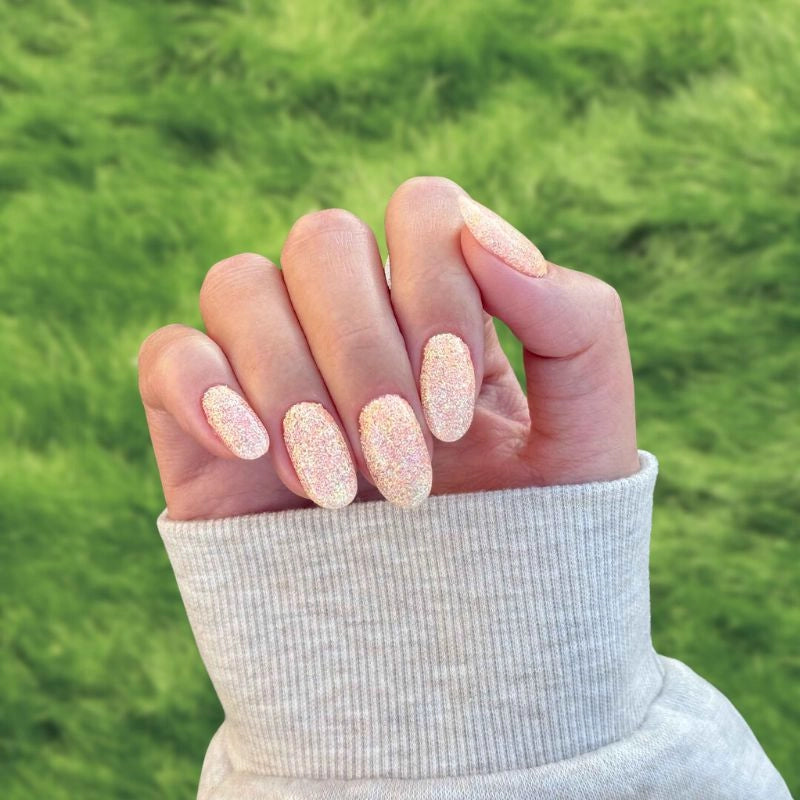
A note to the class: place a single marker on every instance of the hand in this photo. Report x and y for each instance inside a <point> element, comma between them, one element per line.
<point>327,333</point>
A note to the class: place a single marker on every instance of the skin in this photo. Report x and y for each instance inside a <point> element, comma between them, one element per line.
<point>326,328</point>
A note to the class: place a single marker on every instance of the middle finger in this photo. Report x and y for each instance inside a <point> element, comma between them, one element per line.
<point>334,276</point>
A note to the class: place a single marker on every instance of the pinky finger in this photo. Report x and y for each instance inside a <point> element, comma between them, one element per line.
<point>185,375</point>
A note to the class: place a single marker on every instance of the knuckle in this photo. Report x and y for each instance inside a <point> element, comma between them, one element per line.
<point>337,224</point>
<point>436,277</point>
<point>422,191</point>
<point>155,342</point>
<point>231,274</point>
<point>156,352</point>
<point>611,302</point>
<point>354,339</point>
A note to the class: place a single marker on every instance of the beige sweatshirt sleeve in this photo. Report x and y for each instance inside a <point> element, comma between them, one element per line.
<point>484,645</point>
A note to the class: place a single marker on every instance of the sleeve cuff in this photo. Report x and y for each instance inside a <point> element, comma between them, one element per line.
<point>476,633</point>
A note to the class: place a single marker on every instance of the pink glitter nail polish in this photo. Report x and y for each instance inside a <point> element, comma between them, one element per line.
<point>239,427</point>
<point>395,451</point>
<point>502,239</point>
<point>447,386</point>
<point>319,454</point>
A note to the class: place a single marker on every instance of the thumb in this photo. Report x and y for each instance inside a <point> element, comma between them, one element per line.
<point>577,364</point>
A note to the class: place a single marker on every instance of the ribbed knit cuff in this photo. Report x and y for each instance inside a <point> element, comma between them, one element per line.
<point>475,633</point>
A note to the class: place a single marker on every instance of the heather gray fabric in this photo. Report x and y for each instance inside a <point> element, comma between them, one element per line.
<point>484,645</point>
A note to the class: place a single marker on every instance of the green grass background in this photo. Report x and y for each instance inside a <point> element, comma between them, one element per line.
<point>652,144</point>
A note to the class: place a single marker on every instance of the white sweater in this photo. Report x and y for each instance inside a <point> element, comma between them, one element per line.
<point>484,645</point>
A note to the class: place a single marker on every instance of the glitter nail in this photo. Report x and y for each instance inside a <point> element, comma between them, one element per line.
<point>502,239</point>
<point>229,414</point>
<point>395,450</point>
<point>319,455</point>
<point>447,386</point>
<point>387,271</point>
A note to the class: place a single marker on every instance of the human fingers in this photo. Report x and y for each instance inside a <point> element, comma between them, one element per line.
<point>336,283</point>
<point>246,310</point>
<point>200,422</point>
<point>578,371</point>
<point>436,301</point>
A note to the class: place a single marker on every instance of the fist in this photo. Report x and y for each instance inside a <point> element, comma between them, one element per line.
<point>322,382</point>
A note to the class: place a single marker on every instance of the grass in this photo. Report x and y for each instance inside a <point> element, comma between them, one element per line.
<point>654,145</point>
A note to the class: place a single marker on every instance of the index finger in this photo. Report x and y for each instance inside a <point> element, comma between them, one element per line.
<point>436,301</point>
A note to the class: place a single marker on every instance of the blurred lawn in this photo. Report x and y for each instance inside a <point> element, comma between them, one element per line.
<point>652,144</point>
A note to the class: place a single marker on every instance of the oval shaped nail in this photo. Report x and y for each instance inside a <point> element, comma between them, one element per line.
<point>395,451</point>
<point>447,386</point>
<point>502,239</point>
<point>319,455</point>
<point>239,427</point>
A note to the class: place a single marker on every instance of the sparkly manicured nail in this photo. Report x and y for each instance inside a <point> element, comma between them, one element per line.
<point>395,450</point>
<point>319,455</point>
<point>447,386</point>
<point>229,414</point>
<point>502,239</point>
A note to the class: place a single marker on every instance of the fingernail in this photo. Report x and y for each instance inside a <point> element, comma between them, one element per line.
<point>387,272</point>
<point>395,450</point>
<point>229,414</point>
<point>447,386</point>
<point>319,455</point>
<point>502,239</point>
